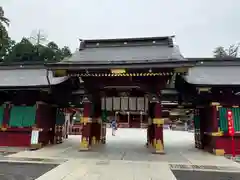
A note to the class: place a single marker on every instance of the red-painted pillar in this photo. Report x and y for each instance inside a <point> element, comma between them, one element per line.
<point>148,132</point>
<point>98,130</point>
<point>158,129</point>
<point>214,119</point>
<point>86,127</point>
<point>96,124</point>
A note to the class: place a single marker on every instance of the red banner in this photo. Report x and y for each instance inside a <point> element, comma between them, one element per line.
<point>231,129</point>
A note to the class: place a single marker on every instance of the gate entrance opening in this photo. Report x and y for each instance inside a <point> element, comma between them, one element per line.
<point>131,119</point>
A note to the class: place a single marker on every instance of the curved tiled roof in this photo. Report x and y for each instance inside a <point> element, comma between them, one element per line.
<point>126,50</point>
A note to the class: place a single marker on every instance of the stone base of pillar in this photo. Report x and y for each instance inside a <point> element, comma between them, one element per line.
<point>86,139</point>
<point>94,132</point>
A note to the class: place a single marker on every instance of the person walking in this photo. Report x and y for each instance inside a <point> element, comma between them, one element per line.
<point>114,127</point>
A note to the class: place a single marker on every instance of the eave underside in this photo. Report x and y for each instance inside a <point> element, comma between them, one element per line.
<point>214,75</point>
<point>28,78</point>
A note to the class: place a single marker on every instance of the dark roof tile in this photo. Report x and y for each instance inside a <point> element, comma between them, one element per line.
<point>126,50</point>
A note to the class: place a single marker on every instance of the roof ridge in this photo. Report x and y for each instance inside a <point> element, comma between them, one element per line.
<point>125,42</point>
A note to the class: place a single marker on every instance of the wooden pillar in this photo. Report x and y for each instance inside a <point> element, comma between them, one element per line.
<point>158,128</point>
<point>216,134</point>
<point>97,122</point>
<point>149,138</point>
<point>86,127</point>
<point>214,118</point>
<point>197,128</point>
<point>215,127</point>
<point>103,132</point>
<point>98,133</point>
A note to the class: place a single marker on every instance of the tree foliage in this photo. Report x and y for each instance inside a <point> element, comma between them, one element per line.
<point>231,52</point>
<point>5,41</point>
<point>25,51</point>
<point>3,19</point>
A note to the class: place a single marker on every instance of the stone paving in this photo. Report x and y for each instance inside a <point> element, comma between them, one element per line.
<point>125,157</point>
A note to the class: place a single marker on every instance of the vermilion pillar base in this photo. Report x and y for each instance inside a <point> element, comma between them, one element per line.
<point>86,137</point>
<point>158,139</point>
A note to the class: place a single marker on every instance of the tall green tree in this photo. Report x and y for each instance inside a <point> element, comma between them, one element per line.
<point>220,52</point>
<point>231,52</point>
<point>3,19</point>
<point>5,41</point>
<point>22,51</point>
<point>66,52</point>
<point>52,52</point>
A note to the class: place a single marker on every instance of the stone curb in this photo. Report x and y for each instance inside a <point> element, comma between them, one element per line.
<point>27,162</point>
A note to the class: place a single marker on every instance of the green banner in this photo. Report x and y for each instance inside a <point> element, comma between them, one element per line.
<point>104,116</point>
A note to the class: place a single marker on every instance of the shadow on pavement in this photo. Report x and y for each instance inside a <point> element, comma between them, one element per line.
<point>205,175</point>
<point>21,171</point>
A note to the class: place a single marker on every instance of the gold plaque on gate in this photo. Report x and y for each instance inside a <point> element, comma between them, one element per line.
<point>118,71</point>
<point>181,69</point>
<point>59,73</point>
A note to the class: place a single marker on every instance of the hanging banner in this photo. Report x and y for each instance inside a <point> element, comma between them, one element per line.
<point>109,103</point>
<point>146,104</point>
<point>103,103</point>
<point>231,130</point>
<point>132,103</point>
<point>140,104</point>
<point>116,103</point>
<point>34,136</point>
<point>124,103</point>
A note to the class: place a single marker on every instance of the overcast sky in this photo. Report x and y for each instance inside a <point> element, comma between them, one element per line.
<point>199,25</point>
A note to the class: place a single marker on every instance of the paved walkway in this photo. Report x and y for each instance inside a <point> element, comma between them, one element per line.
<point>124,156</point>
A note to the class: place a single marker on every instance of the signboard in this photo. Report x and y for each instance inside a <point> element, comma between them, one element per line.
<point>118,71</point>
<point>59,73</point>
<point>34,136</point>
